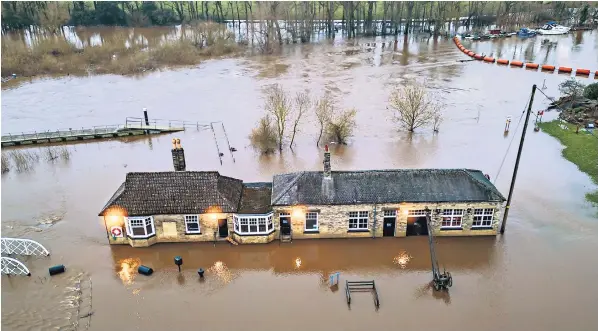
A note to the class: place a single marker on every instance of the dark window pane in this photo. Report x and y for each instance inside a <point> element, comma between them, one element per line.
<point>138,231</point>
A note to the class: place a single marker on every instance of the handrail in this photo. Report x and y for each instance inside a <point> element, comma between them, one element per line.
<point>12,266</point>
<point>22,247</point>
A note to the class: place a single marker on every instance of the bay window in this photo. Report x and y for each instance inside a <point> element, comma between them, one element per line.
<point>140,227</point>
<point>253,224</point>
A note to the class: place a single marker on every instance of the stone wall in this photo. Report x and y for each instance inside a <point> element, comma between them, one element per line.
<point>334,220</point>
<point>259,239</point>
<point>161,222</point>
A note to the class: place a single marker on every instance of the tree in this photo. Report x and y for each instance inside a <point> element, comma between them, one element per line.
<point>279,107</point>
<point>413,106</point>
<point>54,17</point>
<point>571,88</point>
<point>323,110</point>
<point>340,126</point>
<point>264,136</point>
<point>583,15</point>
<point>591,91</point>
<point>302,104</point>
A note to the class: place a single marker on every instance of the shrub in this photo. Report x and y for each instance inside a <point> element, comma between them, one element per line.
<point>264,136</point>
<point>591,91</point>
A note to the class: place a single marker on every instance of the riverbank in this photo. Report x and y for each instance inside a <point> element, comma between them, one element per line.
<point>120,53</point>
<point>580,148</point>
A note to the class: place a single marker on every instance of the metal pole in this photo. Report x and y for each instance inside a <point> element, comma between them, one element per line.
<point>508,206</point>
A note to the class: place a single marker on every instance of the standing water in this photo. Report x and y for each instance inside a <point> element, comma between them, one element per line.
<point>539,275</point>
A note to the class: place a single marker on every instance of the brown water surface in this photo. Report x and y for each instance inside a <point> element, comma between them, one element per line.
<point>539,276</point>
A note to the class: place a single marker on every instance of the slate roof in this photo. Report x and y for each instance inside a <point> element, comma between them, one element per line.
<point>256,198</point>
<point>383,186</point>
<point>176,192</point>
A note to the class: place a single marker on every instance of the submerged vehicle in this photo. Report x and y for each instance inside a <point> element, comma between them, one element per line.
<point>552,28</point>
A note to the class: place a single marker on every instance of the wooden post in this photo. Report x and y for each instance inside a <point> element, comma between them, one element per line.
<point>508,206</point>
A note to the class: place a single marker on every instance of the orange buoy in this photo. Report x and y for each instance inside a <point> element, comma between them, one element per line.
<point>547,67</point>
<point>531,65</point>
<point>517,63</point>
<point>489,59</point>
<point>465,50</point>
<point>502,61</point>
<point>470,53</point>
<point>478,57</point>
<point>582,72</point>
<point>565,69</point>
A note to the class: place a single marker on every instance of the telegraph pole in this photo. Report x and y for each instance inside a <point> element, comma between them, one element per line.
<point>529,111</point>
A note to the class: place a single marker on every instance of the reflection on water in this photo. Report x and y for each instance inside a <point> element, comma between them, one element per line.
<point>127,269</point>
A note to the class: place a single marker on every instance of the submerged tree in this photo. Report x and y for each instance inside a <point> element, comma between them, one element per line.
<point>414,107</point>
<point>323,110</point>
<point>279,107</point>
<point>263,137</point>
<point>340,126</point>
<point>302,104</point>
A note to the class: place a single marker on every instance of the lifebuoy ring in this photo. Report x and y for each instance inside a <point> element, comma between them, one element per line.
<point>116,232</point>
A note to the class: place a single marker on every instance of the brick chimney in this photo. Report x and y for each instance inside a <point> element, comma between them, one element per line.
<point>327,182</point>
<point>178,155</point>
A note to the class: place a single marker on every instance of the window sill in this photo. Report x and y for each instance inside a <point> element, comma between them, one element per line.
<point>451,229</point>
<point>192,233</point>
<point>254,234</point>
<point>311,231</point>
<point>141,237</point>
<point>359,230</point>
<point>482,228</point>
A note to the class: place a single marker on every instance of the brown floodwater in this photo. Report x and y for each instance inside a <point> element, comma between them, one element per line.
<point>540,275</point>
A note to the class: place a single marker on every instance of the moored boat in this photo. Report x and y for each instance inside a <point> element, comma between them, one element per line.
<point>552,28</point>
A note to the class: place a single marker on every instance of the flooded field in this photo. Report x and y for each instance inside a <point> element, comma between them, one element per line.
<point>540,275</point>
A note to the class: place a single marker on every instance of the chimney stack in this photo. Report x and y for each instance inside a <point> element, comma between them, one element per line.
<point>327,182</point>
<point>327,168</point>
<point>178,155</point>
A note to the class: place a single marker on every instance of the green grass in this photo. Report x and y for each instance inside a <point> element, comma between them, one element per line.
<point>581,149</point>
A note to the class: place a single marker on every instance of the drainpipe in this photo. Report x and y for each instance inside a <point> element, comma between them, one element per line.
<point>374,232</point>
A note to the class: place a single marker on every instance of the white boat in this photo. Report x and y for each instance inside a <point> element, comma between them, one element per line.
<point>551,28</point>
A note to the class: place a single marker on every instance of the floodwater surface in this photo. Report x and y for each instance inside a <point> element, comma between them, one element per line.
<point>540,275</point>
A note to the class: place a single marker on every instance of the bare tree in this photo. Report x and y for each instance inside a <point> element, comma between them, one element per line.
<point>323,110</point>
<point>413,106</point>
<point>54,17</point>
<point>279,107</point>
<point>302,104</point>
<point>264,136</point>
<point>340,126</point>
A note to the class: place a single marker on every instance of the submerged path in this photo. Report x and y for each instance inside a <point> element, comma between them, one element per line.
<point>546,68</point>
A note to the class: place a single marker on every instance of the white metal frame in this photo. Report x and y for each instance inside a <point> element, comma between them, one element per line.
<point>359,218</point>
<point>11,266</point>
<point>253,220</point>
<point>317,219</point>
<point>197,221</point>
<point>452,215</point>
<point>484,217</point>
<point>23,247</point>
<point>144,220</point>
<point>416,212</point>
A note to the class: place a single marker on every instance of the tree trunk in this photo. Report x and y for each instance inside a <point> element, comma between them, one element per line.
<point>410,5</point>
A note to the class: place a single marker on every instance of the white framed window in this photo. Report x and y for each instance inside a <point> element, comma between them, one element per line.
<point>311,221</point>
<point>482,217</point>
<point>358,220</point>
<point>192,224</point>
<point>416,212</point>
<point>140,227</point>
<point>390,213</point>
<point>253,224</point>
<point>451,219</point>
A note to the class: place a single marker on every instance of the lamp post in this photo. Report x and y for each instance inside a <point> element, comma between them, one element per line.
<point>178,261</point>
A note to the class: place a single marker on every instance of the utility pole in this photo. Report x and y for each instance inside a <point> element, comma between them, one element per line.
<point>529,111</point>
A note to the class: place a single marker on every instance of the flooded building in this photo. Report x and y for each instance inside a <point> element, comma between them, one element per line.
<point>189,206</point>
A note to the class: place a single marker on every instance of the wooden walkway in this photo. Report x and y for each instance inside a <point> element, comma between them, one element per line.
<point>132,127</point>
